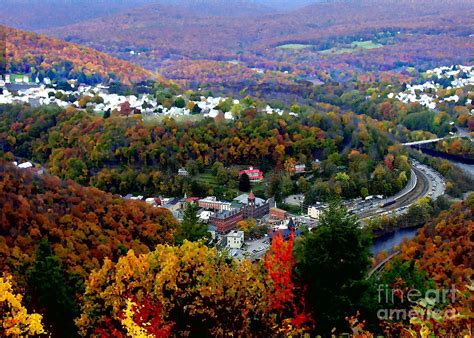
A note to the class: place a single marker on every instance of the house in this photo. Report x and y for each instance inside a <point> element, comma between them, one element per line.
<point>286,230</point>
<point>278,214</point>
<point>2,83</point>
<point>235,239</point>
<point>183,172</point>
<point>212,203</point>
<point>316,210</point>
<point>26,165</point>
<point>255,175</point>
<point>226,220</point>
<point>8,78</point>
<point>172,204</point>
<point>298,169</point>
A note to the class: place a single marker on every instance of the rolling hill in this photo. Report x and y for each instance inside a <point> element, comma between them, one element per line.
<point>389,35</point>
<point>38,54</point>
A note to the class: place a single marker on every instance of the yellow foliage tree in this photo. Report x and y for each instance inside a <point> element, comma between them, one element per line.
<point>14,319</point>
<point>192,289</point>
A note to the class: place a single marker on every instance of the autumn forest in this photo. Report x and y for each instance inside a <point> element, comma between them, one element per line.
<point>252,168</point>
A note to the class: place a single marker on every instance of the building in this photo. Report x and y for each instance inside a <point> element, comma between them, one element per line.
<point>205,215</point>
<point>285,230</point>
<point>226,220</point>
<point>253,207</point>
<point>172,204</point>
<point>8,78</point>
<point>255,175</point>
<point>229,214</point>
<point>235,239</point>
<point>278,214</point>
<point>26,165</point>
<point>183,172</point>
<point>211,203</point>
<point>316,210</point>
<point>299,169</point>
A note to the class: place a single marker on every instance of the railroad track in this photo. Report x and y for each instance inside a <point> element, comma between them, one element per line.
<point>420,190</point>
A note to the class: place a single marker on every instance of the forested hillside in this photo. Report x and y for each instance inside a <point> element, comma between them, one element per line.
<point>337,38</point>
<point>53,233</point>
<point>123,154</point>
<point>84,225</point>
<point>41,56</point>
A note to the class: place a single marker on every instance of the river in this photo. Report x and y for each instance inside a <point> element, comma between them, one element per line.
<point>467,168</point>
<point>387,242</point>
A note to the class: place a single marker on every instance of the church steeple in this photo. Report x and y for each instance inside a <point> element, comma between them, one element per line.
<point>251,199</point>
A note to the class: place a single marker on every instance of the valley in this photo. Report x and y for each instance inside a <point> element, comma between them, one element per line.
<point>254,168</point>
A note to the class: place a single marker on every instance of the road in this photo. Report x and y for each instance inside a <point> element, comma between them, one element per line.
<point>429,184</point>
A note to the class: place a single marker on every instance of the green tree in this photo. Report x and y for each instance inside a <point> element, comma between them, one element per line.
<point>244,183</point>
<point>332,261</point>
<point>191,228</point>
<point>399,286</point>
<point>51,293</point>
<point>180,102</point>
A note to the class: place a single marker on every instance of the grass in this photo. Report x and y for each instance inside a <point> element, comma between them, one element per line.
<point>294,46</point>
<point>207,178</point>
<point>354,47</point>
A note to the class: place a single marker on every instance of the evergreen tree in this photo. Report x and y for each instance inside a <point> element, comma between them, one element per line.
<point>244,183</point>
<point>399,286</point>
<point>50,292</point>
<point>191,228</point>
<point>333,261</point>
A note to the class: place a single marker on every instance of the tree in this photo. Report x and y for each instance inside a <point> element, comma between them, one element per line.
<point>244,183</point>
<point>192,289</point>
<point>191,228</point>
<point>333,261</point>
<point>47,282</point>
<point>286,301</point>
<point>14,318</point>
<point>398,276</point>
<point>180,102</point>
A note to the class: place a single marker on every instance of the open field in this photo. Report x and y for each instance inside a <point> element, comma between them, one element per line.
<point>294,46</point>
<point>354,46</point>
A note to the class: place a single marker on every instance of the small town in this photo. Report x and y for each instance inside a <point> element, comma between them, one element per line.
<point>446,78</point>
<point>21,89</point>
<point>245,168</point>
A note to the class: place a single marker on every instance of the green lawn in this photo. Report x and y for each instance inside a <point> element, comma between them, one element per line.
<point>294,46</point>
<point>207,178</point>
<point>355,46</point>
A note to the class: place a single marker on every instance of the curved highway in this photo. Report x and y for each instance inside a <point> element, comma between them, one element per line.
<point>429,183</point>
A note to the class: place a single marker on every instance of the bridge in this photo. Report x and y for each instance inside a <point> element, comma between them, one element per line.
<point>379,267</point>
<point>434,140</point>
<point>461,133</point>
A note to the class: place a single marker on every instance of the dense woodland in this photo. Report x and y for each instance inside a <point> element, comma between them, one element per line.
<point>411,38</point>
<point>77,259</point>
<point>41,56</point>
<point>123,155</point>
<point>78,227</point>
<point>78,234</point>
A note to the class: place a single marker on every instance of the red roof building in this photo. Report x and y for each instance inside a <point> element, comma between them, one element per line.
<point>255,175</point>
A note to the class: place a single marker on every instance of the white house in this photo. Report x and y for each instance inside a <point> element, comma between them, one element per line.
<point>183,172</point>
<point>316,210</point>
<point>26,165</point>
<point>235,239</point>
